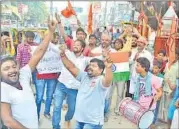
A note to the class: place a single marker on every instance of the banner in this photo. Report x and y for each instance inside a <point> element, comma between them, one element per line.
<point>51,61</point>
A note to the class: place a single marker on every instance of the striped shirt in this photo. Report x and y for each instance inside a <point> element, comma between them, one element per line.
<point>23,53</point>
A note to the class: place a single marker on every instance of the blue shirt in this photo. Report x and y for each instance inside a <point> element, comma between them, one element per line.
<point>176,92</point>
<point>90,100</point>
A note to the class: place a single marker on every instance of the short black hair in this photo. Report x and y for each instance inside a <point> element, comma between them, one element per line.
<point>144,62</point>
<point>157,63</point>
<point>7,58</point>
<point>80,29</point>
<point>135,36</point>
<point>82,42</point>
<point>162,51</point>
<point>5,33</point>
<point>55,34</point>
<point>92,35</point>
<point>121,41</point>
<point>99,62</point>
<point>29,34</point>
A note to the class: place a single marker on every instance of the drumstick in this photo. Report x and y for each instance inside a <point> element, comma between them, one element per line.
<point>151,103</point>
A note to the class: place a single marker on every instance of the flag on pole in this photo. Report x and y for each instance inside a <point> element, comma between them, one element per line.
<point>90,20</point>
<point>68,11</point>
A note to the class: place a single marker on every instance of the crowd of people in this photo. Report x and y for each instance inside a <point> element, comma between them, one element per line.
<point>86,79</point>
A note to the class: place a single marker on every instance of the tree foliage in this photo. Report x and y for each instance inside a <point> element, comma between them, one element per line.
<point>37,10</point>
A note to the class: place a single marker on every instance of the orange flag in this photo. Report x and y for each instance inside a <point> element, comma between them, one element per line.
<point>90,20</point>
<point>171,42</point>
<point>68,11</point>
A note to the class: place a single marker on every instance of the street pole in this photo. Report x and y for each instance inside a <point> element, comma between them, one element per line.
<point>105,13</point>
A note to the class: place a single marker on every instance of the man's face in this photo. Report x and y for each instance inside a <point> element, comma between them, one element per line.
<point>160,56</point>
<point>77,48</point>
<point>92,41</point>
<point>118,45</point>
<point>55,39</point>
<point>105,39</point>
<point>140,46</point>
<point>155,70</point>
<point>9,72</point>
<point>134,42</point>
<point>139,68</point>
<point>80,35</point>
<point>93,69</point>
<point>29,40</point>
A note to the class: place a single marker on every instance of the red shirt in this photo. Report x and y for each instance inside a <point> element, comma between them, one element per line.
<point>69,42</point>
<point>48,76</point>
<point>24,53</point>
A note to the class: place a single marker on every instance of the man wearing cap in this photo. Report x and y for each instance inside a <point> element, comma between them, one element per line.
<point>140,51</point>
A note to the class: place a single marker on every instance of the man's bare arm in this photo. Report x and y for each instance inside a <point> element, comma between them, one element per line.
<point>108,70</point>
<point>60,27</point>
<point>7,118</point>
<point>69,65</point>
<point>41,49</point>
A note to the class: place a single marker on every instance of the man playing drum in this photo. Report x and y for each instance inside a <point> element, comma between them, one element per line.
<point>148,87</point>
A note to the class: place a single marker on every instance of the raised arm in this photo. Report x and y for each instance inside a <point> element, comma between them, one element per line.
<point>41,49</point>
<point>60,27</point>
<point>67,63</point>
<point>107,80</point>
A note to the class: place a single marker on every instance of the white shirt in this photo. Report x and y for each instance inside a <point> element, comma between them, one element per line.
<point>99,49</point>
<point>22,102</point>
<point>133,64</point>
<point>66,77</point>
<point>151,39</point>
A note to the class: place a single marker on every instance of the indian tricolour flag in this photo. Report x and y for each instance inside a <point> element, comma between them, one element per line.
<point>120,66</point>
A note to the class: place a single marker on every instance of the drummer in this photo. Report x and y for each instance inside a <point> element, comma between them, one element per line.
<point>148,88</point>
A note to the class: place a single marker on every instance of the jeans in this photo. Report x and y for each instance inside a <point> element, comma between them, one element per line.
<point>60,93</point>
<point>156,112</point>
<point>81,125</point>
<point>40,88</point>
<point>127,91</point>
<point>120,91</point>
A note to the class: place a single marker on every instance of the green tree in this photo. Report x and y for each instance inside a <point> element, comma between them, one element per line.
<point>37,11</point>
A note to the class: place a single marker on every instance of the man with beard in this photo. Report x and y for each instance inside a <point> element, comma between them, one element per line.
<point>105,43</point>
<point>67,85</point>
<point>89,112</point>
<point>80,35</point>
<point>18,109</point>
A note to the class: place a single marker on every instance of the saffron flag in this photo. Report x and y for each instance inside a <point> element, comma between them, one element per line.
<point>171,42</point>
<point>68,11</point>
<point>90,19</point>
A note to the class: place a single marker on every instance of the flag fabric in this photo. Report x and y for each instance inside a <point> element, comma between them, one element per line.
<point>90,19</point>
<point>171,42</point>
<point>120,66</point>
<point>68,11</point>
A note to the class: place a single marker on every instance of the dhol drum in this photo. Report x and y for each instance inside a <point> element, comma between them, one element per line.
<point>135,113</point>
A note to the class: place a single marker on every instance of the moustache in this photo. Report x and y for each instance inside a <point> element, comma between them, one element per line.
<point>14,73</point>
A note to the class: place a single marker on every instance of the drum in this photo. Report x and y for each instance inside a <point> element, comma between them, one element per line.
<point>135,113</point>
